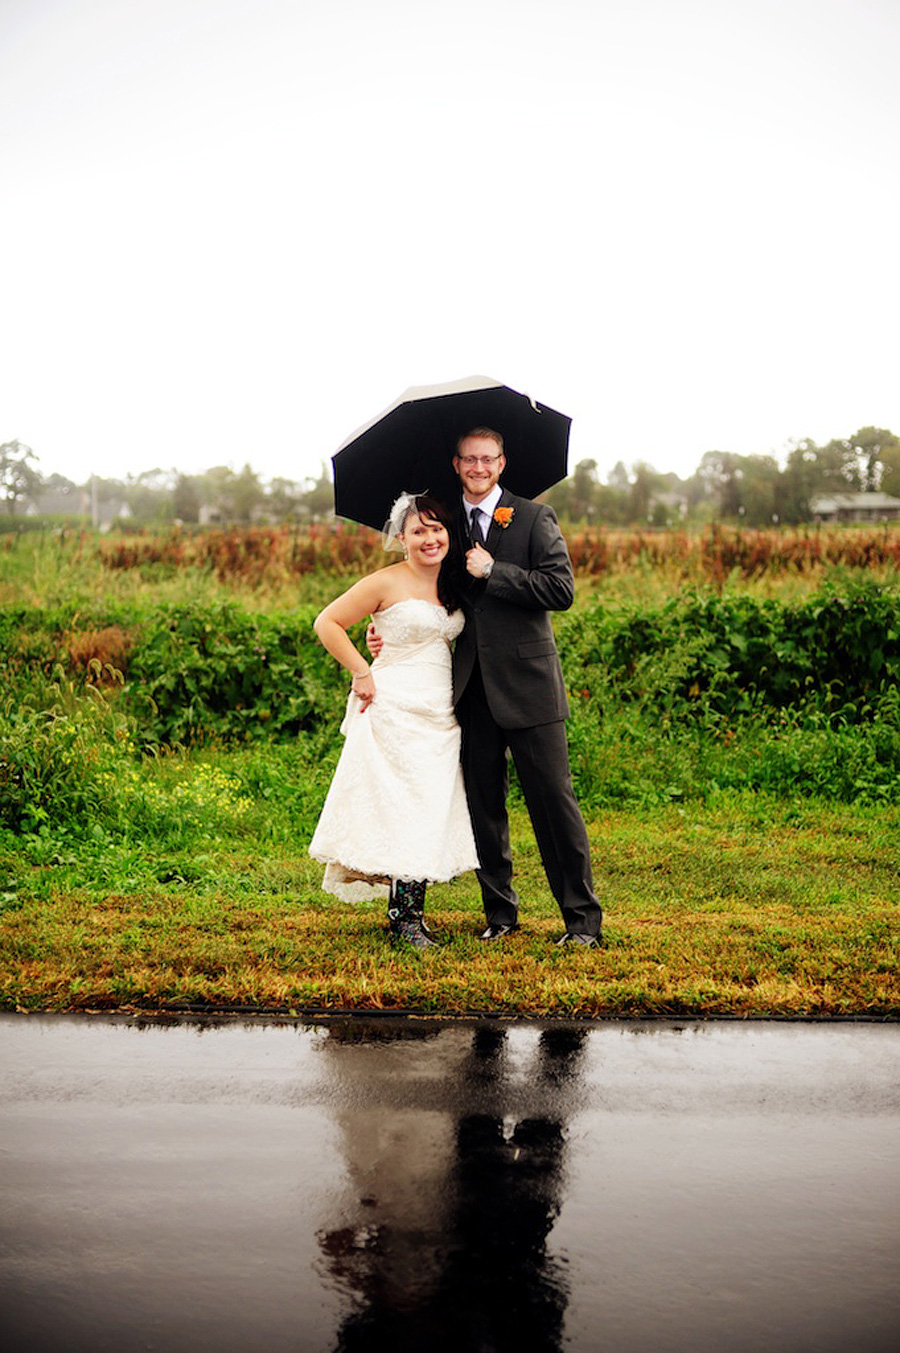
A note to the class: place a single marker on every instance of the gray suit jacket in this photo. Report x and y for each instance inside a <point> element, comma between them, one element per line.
<point>508,627</point>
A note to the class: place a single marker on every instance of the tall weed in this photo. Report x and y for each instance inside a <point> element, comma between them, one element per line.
<point>57,744</point>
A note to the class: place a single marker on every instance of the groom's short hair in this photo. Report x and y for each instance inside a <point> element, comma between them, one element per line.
<point>481,432</point>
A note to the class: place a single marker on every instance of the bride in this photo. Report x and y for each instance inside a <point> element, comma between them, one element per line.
<point>395,817</point>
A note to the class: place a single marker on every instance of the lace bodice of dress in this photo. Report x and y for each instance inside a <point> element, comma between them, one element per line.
<point>414,622</point>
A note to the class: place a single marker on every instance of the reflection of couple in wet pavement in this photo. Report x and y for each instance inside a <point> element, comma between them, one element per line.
<point>444,1245</point>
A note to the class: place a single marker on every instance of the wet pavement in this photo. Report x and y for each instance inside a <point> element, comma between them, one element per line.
<point>478,1186</point>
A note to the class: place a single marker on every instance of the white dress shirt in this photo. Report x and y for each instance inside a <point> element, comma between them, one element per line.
<point>487,506</point>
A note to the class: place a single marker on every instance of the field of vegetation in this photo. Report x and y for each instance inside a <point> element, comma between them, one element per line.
<point>168,727</point>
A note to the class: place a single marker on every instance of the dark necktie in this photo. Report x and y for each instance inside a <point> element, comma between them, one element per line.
<point>477,533</point>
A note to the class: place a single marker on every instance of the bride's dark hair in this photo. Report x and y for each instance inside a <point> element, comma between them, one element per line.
<point>450,578</point>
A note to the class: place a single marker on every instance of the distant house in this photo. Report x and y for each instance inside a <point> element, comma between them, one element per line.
<point>59,503</point>
<point>854,507</point>
<point>111,510</point>
<point>78,502</point>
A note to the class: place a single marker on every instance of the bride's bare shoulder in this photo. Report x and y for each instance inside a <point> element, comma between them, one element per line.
<point>393,585</point>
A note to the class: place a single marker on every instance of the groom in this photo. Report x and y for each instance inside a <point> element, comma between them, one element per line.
<point>509,692</point>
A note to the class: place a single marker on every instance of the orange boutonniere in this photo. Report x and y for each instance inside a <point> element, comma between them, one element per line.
<point>503,516</point>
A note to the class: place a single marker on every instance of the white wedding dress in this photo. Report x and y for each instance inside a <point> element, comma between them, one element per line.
<point>396,807</point>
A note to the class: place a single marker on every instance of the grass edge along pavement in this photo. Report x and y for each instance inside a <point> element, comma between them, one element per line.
<point>747,907</point>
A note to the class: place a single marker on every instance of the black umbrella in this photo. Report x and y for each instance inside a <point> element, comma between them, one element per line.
<point>411,445</point>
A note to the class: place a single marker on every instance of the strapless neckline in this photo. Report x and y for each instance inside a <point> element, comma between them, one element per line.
<point>409,601</point>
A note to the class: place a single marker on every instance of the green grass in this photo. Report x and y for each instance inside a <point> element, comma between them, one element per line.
<point>748,907</point>
<point>747,862</point>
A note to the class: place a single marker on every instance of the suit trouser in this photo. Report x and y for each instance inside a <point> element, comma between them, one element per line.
<point>541,757</point>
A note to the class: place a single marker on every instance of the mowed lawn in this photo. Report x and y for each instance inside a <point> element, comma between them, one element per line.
<point>746,907</point>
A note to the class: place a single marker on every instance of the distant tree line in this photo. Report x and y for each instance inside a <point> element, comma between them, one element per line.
<point>162,497</point>
<point>754,489</point>
<point>725,486</point>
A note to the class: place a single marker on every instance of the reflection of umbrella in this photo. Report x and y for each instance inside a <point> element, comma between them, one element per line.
<point>411,446</point>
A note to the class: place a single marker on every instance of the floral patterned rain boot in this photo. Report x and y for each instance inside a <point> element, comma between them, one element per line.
<point>406,910</point>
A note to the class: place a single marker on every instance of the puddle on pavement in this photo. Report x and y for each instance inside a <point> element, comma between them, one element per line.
<point>474,1186</point>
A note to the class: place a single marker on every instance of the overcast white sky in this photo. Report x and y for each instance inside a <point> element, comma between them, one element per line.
<point>234,230</point>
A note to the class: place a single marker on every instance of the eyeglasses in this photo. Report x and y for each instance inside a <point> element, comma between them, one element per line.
<point>471,461</point>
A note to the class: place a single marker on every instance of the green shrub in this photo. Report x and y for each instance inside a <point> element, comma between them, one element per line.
<point>703,693</point>
<point>733,653</point>
<point>201,672</point>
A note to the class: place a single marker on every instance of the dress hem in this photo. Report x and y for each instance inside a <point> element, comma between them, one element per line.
<point>352,884</point>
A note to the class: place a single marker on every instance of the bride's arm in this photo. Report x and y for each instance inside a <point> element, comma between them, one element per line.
<point>331,626</point>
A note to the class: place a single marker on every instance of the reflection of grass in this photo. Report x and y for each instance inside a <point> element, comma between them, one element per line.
<point>746,907</point>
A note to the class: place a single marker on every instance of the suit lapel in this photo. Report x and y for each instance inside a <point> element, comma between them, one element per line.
<point>496,530</point>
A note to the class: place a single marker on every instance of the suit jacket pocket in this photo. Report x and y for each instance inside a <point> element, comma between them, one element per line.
<point>537,648</point>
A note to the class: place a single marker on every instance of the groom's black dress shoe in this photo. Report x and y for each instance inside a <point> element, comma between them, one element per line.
<point>498,932</point>
<point>579,941</point>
